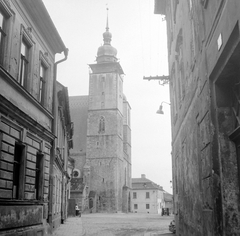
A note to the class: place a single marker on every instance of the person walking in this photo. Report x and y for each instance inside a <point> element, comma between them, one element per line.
<point>77,209</point>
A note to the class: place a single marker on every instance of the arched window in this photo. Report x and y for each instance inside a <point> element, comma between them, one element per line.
<point>101,125</point>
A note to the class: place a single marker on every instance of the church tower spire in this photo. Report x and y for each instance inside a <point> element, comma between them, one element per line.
<point>107,53</point>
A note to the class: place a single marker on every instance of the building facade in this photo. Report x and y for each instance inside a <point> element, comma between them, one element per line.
<point>203,55</point>
<point>103,156</point>
<point>28,44</point>
<point>62,165</point>
<point>146,196</point>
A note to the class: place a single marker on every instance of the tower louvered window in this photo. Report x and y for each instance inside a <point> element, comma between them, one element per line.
<point>102,125</point>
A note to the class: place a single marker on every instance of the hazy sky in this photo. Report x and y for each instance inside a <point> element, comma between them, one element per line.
<point>140,39</point>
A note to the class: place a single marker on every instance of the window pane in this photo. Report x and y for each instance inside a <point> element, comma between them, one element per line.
<point>1,20</point>
<point>42,75</point>
<point>18,155</point>
<point>2,35</point>
<point>22,73</point>
<point>41,71</point>
<point>23,49</point>
<point>23,64</point>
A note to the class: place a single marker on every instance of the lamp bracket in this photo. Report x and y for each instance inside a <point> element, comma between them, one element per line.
<point>162,80</point>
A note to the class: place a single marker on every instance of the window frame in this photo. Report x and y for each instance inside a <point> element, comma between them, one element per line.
<point>24,63</point>
<point>7,13</point>
<point>102,125</point>
<point>147,206</point>
<point>147,195</point>
<point>26,39</point>
<point>134,195</point>
<point>19,173</point>
<point>42,85</point>
<point>43,62</point>
<point>3,35</point>
<point>135,206</point>
<point>39,176</point>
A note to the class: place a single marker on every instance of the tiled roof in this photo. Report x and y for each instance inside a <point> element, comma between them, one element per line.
<point>167,197</point>
<point>144,183</point>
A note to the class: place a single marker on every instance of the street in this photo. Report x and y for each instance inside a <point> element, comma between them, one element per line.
<point>125,224</point>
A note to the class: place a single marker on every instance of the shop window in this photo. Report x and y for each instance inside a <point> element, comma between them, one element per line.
<point>18,171</point>
<point>39,176</point>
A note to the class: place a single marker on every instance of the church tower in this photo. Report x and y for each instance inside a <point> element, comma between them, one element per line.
<point>105,171</point>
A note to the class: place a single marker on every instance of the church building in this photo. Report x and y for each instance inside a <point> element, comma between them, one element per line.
<point>102,137</point>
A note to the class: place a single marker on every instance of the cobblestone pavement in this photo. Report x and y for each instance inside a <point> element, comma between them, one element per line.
<point>130,224</point>
<point>72,227</point>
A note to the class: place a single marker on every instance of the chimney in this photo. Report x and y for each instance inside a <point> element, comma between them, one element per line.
<point>143,176</point>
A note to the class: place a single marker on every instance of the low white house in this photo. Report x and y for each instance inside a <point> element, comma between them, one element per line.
<point>146,196</point>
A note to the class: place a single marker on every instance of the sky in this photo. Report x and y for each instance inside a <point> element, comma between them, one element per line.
<point>141,41</point>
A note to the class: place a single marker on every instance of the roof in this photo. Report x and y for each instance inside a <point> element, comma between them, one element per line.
<point>79,116</point>
<point>39,14</point>
<point>144,183</point>
<point>160,7</point>
<point>167,197</point>
<point>92,194</point>
<point>107,67</point>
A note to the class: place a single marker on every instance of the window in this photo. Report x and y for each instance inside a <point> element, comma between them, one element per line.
<point>24,64</point>
<point>2,36</point>
<point>147,195</point>
<point>42,83</point>
<point>44,68</point>
<point>5,14</point>
<point>134,195</point>
<point>18,171</point>
<point>39,176</point>
<point>25,57</point>
<point>147,206</point>
<point>101,125</point>
<point>135,206</point>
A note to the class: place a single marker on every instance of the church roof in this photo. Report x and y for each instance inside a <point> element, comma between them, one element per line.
<point>79,113</point>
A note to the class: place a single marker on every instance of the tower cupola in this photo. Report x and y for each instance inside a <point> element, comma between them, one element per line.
<point>106,52</point>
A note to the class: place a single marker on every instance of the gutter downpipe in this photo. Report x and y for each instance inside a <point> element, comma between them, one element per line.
<point>54,130</point>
